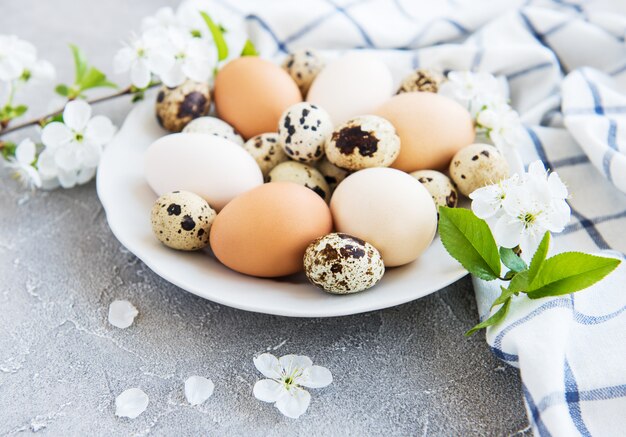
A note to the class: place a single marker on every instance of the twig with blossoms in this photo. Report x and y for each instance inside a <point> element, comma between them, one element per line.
<point>510,224</point>
<point>173,47</point>
<point>485,97</point>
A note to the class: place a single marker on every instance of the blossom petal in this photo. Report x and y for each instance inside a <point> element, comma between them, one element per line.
<point>197,70</point>
<point>508,231</point>
<point>315,377</point>
<point>67,179</point>
<point>76,115</point>
<point>89,155</point>
<point>268,365</point>
<point>99,130</point>
<point>140,75</point>
<point>123,60</point>
<point>84,175</point>
<point>131,403</point>
<point>294,404</point>
<point>47,165</point>
<point>174,76</point>
<point>268,390</point>
<point>198,389</point>
<point>55,134</point>
<point>557,187</point>
<point>25,152</point>
<point>67,158</point>
<point>292,362</point>
<point>10,69</point>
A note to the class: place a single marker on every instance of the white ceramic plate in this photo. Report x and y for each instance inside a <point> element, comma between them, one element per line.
<point>127,200</point>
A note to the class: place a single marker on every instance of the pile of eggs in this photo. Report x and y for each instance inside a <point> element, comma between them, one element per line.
<point>312,167</point>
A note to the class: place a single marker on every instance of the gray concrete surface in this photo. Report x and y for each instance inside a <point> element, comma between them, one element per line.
<point>402,371</point>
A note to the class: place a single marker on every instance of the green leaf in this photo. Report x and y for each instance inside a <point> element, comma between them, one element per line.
<point>94,78</point>
<point>569,272</point>
<point>517,285</point>
<point>218,37</point>
<point>19,110</point>
<point>80,63</point>
<point>7,149</point>
<point>469,240</point>
<point>539,257</point>
<point>249,49</point>
<point>62,90</point>
<point>497,317</point>
<point>511,260</point>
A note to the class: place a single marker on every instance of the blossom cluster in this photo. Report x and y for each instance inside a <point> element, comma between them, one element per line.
<point>19,62</point>
<point>485,97</point>
<point>519,210</point>
<point>177,45</point>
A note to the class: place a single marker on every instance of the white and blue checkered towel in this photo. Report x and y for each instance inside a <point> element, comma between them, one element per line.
<point>565,61</point>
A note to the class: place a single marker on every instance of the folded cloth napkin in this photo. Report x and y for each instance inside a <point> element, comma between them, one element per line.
<point>565,63</point>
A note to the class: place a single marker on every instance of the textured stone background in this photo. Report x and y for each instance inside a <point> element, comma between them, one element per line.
<point>402,371</point>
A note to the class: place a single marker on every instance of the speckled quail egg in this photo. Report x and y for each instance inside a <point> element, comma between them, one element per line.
<point>477,165</point>
<point>301,174</point>
<point>176,107</point>
<point>439,186</point>
<point>214,126</point>
<point>303,129</point>
<point>303,65</point>
<point>182,220</point>
<point>421,79</point>
<point>333,174</point>
<point>267,151</point>
<point>343,264</point>
<point>363,142</point>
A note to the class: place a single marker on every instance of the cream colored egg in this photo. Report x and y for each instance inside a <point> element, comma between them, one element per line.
<point>476,166</point>
<point>389,209</point>
<point>212,167</point>
<point>352,85</point>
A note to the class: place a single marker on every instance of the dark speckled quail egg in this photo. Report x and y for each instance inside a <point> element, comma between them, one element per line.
<point>476,166</point>
<point>301,174</point>
<point>439,186</point>
<point>266,151</point>
<point>182,220</point>
<point>303,129</point>
<point>422,79</point>
<point>333,174</point>
<point>176,107</point>
<point>343,264</point>
<point>214,126</point>
<point>303,65</point>
<point>363,142</point>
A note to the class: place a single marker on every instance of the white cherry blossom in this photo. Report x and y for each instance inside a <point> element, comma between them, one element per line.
<point>18,61</point>
<point>74,146</point>
<point>487,201</point>
<point>521,209</point>
<point>15,54</point>
<point>22,164</point>
<point>285,378</point>
<point>193,58</point>
<point>144,56</point>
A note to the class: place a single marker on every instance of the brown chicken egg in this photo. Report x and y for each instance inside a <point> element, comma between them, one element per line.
<point>251,94</point>
<point>432,128</point>
<point>265,231</point>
